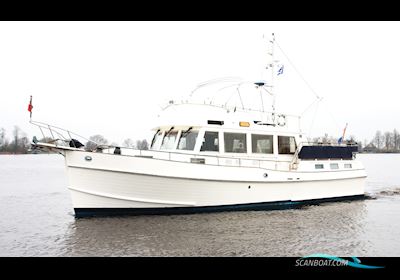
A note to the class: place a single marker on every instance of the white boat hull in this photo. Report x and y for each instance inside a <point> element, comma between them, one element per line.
<point>125,184</point>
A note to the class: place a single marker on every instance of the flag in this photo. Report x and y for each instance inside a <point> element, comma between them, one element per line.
<point>280,71</point>
<point>30,107</point>
<point>342,137</point>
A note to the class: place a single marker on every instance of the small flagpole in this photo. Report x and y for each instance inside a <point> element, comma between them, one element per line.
<point>30,107</point>
<point>344,131</point>
<point>30,116</point>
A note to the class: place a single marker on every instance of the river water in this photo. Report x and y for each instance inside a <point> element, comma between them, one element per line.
<point>36,219</point>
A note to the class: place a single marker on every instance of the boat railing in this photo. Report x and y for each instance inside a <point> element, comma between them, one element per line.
<point>244,160</point>
<point>294,163</point>
<point>224,106</point>
<point>59,136</point>
<point>327,144</point>
<point>63,137</point>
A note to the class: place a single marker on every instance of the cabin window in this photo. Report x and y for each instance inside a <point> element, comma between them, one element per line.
<point>319,166</point>
<point>210,142</point>
<point>347,165</point>
<point>187,140</point>
<point>235,142</point>
<point>156,140</point>
<point>286,145</point>
<point>262,144</point>
<point>334,166</point>
<point>168,142</point>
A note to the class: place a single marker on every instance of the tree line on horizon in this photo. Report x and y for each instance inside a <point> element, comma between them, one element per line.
<point>21,144</point>
<point>387,142</point>
<point>382,142</point>
<point>128,143</point>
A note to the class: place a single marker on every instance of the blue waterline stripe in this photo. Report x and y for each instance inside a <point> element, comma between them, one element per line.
<point>277,205</point>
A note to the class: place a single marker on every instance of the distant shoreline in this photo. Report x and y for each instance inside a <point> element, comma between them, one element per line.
<point>17,154</point>
<point>49,153</point>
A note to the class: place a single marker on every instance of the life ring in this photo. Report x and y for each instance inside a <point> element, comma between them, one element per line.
<point>281,120</point>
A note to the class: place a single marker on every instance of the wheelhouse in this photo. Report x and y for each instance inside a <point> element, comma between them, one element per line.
<point>242,141</point>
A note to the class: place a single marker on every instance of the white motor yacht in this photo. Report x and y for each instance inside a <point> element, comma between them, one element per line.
<point>208,156</point>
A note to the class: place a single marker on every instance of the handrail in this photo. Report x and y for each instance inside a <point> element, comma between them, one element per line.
<point>239,161</point>
<point>302,144</point>
<point>296,155</point>
<point>245,155</point>
<point>239,158</point>
<point>53,128</point>
<point>182,102</point>
<point>327,144</point>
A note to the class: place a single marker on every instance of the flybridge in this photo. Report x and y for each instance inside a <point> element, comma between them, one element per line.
<point>200,114</point>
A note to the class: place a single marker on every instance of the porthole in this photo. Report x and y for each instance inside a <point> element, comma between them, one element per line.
<point>319,166</point>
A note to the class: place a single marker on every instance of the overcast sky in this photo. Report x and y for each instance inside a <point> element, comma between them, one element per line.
<point>110,77</point>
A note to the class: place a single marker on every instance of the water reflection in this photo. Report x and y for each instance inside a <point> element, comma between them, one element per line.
<point>328,228</point>
<point>36,219</point>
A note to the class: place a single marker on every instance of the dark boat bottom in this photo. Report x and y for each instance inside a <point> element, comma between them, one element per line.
<point>279,205</point>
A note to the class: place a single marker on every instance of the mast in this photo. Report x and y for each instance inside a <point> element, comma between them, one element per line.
<point>264,85</point>
<point>272,65</point>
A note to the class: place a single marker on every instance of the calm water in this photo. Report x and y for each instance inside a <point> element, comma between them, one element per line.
<point>36,219</point>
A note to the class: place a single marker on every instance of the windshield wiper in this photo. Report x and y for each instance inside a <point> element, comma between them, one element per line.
<point>186,132</point>
<point>168,132</point>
